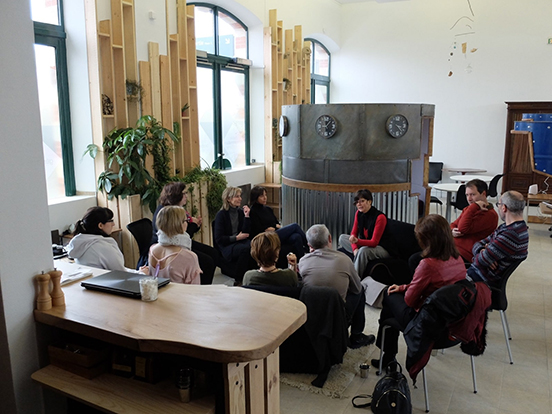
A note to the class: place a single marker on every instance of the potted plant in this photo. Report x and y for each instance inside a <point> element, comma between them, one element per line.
<point>126,151</point>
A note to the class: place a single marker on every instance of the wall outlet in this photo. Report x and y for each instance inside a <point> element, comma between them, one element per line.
<point>550,41</point>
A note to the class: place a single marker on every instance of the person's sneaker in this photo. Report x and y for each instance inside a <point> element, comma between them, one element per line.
<point>360,340</point>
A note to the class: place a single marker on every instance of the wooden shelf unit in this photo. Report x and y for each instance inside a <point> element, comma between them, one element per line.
<point>168,83</point>
<point>112,393</point>
<point>287,55</point>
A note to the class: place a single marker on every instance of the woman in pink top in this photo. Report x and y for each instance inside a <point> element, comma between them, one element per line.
<point>172,256</point>
<point>441,265</point>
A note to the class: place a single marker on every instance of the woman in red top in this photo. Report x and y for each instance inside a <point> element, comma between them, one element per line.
<point>441,265</point>
<point>368,240</point>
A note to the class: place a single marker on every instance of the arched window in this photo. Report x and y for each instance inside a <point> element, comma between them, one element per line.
<point>320,73</point>
<point>223,87</point>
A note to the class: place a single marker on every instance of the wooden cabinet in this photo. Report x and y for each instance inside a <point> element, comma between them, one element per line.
<point>518,173</point>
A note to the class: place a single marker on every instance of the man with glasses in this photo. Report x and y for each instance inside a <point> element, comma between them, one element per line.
<point>508,243</point>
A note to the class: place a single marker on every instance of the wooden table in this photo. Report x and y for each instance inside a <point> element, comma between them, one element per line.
<point>537,197</point>
<point>465,170</point>
<point>464,178</point>
<point>240,328</point>
<point>449,188</point>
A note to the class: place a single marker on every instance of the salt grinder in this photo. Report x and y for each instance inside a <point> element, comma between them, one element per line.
<point>58,298</point>
<point>44,300</point>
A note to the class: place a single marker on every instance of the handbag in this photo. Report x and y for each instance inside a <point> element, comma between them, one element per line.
<point>391,394</point>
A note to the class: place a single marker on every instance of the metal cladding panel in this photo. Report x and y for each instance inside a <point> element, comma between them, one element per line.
<point>346,172</point>
<point>360,135</point>
<point>337,211</point>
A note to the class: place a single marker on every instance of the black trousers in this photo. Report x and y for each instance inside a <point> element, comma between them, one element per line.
<point>208,258</point>
<point>395,307</point>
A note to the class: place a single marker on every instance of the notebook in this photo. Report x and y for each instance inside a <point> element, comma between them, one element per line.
<point>120,282</point>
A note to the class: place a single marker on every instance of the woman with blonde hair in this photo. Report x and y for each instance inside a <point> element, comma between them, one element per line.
<point>441,265</point>
<point>232,226</point>
<point>172,256</point>
<point>265,248</point>
<point>176,194</point>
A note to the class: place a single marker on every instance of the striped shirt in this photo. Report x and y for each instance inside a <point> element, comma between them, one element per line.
<point>506,245</point>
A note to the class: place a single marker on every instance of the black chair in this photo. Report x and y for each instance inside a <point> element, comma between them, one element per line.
<point>443,344</point>
<point>142,231</point>
<point>500,302</point>
<point>461,201</point>
<point>493,190</point>
<point>435,176</point>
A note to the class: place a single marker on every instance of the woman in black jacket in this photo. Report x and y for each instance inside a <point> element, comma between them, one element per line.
<point>263,219</point>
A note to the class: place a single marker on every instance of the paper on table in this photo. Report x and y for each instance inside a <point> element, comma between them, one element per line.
<point>72,277</point>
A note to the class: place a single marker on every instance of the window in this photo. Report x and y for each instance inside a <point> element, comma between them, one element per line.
<point>53,97</point>
<point>223,87</point>
<point>320,73</point>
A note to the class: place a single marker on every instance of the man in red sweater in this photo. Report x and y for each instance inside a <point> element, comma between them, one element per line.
<point>476,221</point>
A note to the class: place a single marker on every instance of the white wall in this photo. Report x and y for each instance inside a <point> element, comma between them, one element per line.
<point>25,243</point>
<point>399,52</point>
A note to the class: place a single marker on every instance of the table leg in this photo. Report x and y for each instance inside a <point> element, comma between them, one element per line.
<point>254,386</point>
<point>449,202</point>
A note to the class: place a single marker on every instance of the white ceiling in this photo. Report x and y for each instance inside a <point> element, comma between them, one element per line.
<point>364,1</point>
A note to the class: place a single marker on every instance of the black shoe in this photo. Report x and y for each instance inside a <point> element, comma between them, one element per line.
<point>386,361</point>
<point>360,340</point>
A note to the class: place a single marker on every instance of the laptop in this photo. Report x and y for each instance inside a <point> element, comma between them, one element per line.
<point>120,282</point>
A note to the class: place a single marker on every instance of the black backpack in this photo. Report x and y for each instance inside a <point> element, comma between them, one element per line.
<point>391,394</point>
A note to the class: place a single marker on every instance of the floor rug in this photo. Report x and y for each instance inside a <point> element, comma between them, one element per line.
<point>339,378</point>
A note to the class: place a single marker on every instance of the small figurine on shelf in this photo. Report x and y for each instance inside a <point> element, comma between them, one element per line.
<point>107,105</point>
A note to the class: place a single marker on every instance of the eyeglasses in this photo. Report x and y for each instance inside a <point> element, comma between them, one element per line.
<point>109,221</point>
<point>499,204</point>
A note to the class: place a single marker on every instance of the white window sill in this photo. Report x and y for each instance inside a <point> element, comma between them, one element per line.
<point>64,200</point>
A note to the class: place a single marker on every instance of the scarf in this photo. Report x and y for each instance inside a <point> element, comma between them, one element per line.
<point>182,240</point>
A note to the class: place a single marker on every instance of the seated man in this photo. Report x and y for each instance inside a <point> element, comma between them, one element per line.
<point>327,267</point>
<point>368,239</point>
<point>476,221</point>
<point>509,242</point>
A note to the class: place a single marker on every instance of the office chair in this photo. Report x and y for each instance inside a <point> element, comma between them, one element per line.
<point>493,186</point>
<point>440,344</point>
<point>500,302</point>
<point>435,176</point>
<point>142,231</point>
<point>461,201</point>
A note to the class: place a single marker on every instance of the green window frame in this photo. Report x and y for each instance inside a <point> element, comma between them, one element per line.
<point>220,64</point>
<point>55,36</point>
<point>316,78</point>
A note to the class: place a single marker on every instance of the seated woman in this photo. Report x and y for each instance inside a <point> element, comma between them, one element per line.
<point>175,194</point>
<point>171,257</point>
<point>368,240</point>
<point>92,246</point>
<point>441,265</point>
<point>265,248</point>
<point>263,219</point>
<point>232,227</point>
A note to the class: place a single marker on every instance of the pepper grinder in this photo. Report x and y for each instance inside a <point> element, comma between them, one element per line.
<point>58,298</point>
<point>44,300</point>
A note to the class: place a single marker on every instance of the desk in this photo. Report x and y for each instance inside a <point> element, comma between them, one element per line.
<point>449,188</point>
<point>537,197</point>
<point>464,171</point>
<point>464,178</point>
<point>240,328</point>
